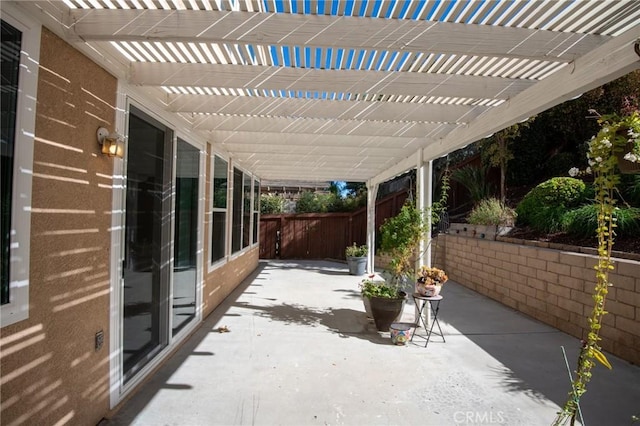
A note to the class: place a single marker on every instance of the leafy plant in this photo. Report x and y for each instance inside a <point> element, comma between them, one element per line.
<point>475,180</point>
<point>370,288</point>
<point>492,211</point>
<point>544,206</point>
<point>583,221</point>
<point>356,251</point>
<point>400,238</point>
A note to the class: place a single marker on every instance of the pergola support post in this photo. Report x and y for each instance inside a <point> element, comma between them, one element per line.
<point>372,192</point>
<point>424,190</point>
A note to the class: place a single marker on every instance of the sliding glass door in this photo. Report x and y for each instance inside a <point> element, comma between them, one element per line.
<point>147,241</point>
<point>185,236</point>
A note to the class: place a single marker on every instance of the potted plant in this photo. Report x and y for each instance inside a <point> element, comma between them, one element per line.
<point>368,289</point>
<point>356,259</point>
<point>400,238</point>
<point>430,281</point>
<point>386,301</point>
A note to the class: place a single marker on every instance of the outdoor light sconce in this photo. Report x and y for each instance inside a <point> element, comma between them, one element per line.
<point>112,143</point>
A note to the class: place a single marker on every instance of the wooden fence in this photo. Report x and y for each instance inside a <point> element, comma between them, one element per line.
<point>320,235</point>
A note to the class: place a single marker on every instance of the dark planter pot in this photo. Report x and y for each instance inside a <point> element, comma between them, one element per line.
<point>386,311</point>
<point>357,265</point>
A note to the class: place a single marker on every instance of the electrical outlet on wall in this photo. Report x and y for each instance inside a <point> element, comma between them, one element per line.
<point>99,340</point>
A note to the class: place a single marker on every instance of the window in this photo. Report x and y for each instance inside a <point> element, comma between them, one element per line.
<point>256,209</point>
<point>219,210</point>
<point>11,40</point>
<point>20,52</point>
<point>236,234</point>
<point>246,210</point>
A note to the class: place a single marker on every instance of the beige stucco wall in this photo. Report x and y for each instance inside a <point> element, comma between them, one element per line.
<point>553,286</point>
<point>50,370</point>
<point>224,279</point>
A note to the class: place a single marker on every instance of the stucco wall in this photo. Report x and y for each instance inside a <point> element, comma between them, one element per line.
<point>223,280</point>
<point>553,286</point>
<point>50,370</point>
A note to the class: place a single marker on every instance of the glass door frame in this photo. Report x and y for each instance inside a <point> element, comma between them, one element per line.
<point>127,96</point>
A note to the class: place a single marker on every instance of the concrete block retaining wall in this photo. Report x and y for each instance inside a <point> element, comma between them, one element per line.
<point>551,285</point>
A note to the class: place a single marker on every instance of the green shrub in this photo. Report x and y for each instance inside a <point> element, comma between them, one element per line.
<point>545,205</point>
<point>583,221</point>
<point>313,202</point>
<point>271,204</point>
<point>492,211</point>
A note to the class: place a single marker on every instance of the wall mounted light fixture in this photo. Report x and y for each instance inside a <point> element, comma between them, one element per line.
<point>112,143</point>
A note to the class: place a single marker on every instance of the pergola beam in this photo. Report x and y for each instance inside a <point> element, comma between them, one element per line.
<point>322,80</point>
<point>326,31</point>
<point>313,126</point>
<point>324,109</point>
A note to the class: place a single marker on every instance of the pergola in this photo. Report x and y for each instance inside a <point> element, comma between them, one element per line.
<point>351,90</point>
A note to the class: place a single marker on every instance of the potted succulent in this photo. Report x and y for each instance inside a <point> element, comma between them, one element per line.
<point>430,281</point>
<point>356,259</point>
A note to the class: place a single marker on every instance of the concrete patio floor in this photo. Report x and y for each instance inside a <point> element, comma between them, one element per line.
<point>301,351</point>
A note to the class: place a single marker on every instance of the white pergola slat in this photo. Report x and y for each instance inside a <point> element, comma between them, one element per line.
<point>355,90</point>
<point>298,79</point>
<point>315,126</point>
<point>327,109</point>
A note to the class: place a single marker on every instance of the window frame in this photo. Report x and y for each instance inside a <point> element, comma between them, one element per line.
<point>18,307</point>
<point>255,211</point>
<point>212,264</point>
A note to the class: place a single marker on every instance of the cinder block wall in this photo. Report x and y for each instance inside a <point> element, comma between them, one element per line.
<point>553,286</point>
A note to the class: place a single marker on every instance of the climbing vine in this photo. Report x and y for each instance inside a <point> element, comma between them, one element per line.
<point>617,141</point>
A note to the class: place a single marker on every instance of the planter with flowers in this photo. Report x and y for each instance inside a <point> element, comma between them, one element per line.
<point>430,281</point>
<point>616,148</point>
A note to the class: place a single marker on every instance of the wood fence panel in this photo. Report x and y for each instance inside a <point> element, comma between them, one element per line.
<point>321,235</point>
<point>269,236</point>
